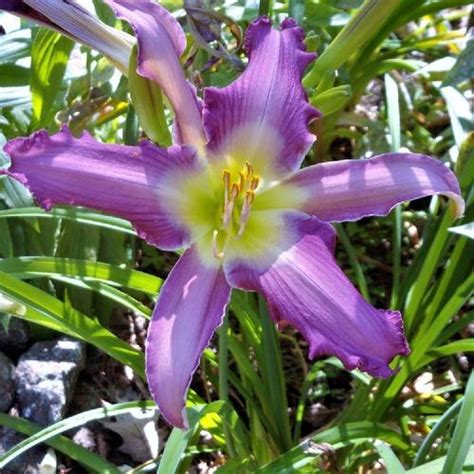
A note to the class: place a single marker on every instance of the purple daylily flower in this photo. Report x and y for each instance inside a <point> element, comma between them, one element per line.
<point>230,192</point>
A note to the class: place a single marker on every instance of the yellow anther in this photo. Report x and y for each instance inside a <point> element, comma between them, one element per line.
<point>254,183</point>
<point>241,181</point>
<point>234,192</point>
<point>248,170</point>
<point>250,196</point>
<point>226,179</point>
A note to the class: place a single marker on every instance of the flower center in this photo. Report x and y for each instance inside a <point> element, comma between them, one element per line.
<point>238,199</point>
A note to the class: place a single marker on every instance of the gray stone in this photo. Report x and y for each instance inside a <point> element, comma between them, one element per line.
<point>16,339</point>
<point>85,437</point>
<point>27,463</point>
<point>7,382</point>
<point>45,379</point>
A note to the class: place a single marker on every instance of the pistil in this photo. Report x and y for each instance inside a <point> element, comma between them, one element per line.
<point>219,254</point>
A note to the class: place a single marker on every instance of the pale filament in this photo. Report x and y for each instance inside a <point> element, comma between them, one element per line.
<point>245,212</point>
<point>229,201</point>
<point>215,250</point>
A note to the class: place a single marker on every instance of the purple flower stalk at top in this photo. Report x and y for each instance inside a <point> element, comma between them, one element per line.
<point>71,19</point>
<point>230,192</point>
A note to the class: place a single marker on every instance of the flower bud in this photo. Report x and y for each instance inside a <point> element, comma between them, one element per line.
<point>11,307</point>
<point>147,99</point>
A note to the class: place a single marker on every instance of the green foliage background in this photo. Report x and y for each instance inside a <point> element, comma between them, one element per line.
<point>390,74</point>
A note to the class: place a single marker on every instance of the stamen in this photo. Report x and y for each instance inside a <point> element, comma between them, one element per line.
<point>241,181</point>
<point>228,209</point>
<point>245,212</point>
<point>234,191</point>
<point>251,197</point>
<point>248,170</point>
<point>215,250</point>
<point>226,179</point>
<point>254,183</point>
<point>229,205</point>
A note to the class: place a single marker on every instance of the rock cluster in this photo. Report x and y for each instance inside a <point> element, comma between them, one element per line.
<point>45,376</point>
<point>7,382</point>
<point>38,387</point>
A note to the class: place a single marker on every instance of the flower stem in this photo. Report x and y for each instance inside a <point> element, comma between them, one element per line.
<point>224,376</point>
<point>359,273</point>
<point>296,10</point>
<point>397,251</point>
<point>264,7</point>
<point>393,118</point>
<point>274,378</point>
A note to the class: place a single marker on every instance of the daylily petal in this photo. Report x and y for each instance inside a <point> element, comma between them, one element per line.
<point>263,116</point>
<point>351,189</point>
<point>137,183</point>
<point>305,287</point>
<point>190,308</point>
<point>161,42</point>
<point>71,19</point>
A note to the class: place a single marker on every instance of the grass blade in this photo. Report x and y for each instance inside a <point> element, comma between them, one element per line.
<point>178,441</point>
<point>49,57</point>
<point>110,292</point>
<point>393,117</point>
<point>46,434</point>
<point>463,433</point>
<point>359,273</point>
<point>30,267</point>
<point>79,215</point>
<point>438,429</point>
<point>224,374</point>
<point>88,459</point>
<point>271,365</point>
<point>339,437</point>
<point>435,467</point>
<point>44,309</point>
<point>393,464</point>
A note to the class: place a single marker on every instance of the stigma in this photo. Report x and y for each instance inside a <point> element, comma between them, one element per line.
<point>219,254</point>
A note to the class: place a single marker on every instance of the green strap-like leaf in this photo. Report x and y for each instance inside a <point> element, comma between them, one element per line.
<point>49,56</point>
<point>44,309</point>
<point>178,440</point>
<point>88,459</point>
<point>12,75</point>
<point>30,267</point>
<point>48,433</point>
<point>393,464</point>
<point>434,467</point>
<point>338,437</point>
<point>463,434</point>
<point>439,429</point>
<point>82,216</point>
